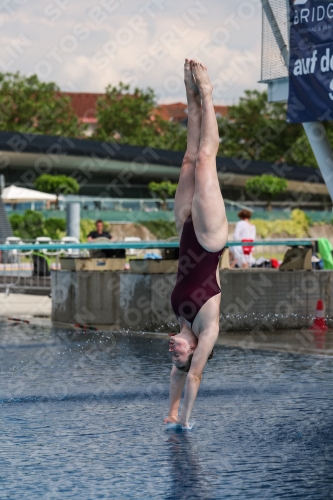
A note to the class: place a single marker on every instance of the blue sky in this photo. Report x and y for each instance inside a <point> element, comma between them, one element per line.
<point>84,45</point>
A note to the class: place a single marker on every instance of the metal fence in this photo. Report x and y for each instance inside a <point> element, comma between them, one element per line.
<point>168,215</point>
<point>28,266</point>
<point>275,13</point>
<point>126,210</point>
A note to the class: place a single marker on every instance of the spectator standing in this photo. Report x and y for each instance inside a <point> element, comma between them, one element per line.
<point>244,231</point>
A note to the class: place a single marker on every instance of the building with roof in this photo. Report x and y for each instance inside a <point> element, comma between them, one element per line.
<point>84,106</point>
<point>121,171</point>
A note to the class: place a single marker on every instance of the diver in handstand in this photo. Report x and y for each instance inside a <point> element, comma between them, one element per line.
<point>203,231</point>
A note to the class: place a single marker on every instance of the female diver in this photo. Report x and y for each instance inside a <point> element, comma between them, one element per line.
<point>203,231</point>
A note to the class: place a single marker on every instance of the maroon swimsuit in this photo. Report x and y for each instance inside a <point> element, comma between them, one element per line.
<point>196,278</point>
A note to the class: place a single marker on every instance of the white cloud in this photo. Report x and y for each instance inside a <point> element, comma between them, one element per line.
<point>79,43</point>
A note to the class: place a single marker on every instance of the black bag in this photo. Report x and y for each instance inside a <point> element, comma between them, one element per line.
<point>41,265</point>
<point>170,253</point>
<point>108,253</point>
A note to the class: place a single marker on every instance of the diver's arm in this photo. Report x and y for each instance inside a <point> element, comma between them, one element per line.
<point>206,344</point>
<point>191,391</point>
<point>177,382</point>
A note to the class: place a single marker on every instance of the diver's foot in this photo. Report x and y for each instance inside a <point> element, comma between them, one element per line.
<point>200,74</point>
<point>192,89</point>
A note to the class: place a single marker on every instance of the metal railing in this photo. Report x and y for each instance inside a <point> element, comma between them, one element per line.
<point>102,205</point>
<point>152,244</point>
<point>27,266</point>
<point>125,204</point>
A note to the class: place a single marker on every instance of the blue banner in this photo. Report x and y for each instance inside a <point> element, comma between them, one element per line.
<point>311,61</point>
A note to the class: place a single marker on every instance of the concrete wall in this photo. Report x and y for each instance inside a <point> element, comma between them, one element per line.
<point>250,299</point>
<point>85,297</point>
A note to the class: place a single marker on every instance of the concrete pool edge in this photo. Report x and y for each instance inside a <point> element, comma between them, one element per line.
<point>250,300</point>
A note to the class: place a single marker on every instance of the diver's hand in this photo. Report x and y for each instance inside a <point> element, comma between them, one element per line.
<point>170,419</point>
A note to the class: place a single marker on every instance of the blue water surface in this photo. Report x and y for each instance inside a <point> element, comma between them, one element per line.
<point>81,418</point>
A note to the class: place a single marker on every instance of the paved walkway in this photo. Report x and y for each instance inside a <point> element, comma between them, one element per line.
<point>17,304</point>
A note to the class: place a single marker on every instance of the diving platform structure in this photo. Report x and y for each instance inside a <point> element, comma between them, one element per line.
<point>274,72</point>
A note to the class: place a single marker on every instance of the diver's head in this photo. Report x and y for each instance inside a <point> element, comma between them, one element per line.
<point>181,351</point>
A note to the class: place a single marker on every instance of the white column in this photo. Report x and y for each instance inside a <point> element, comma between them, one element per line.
<point>73,219</point>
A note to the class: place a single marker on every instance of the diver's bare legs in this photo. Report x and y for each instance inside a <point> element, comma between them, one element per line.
<point>211,228</point>
<point>199,185</point>
<point>185,189</point>
<point>208,211</point>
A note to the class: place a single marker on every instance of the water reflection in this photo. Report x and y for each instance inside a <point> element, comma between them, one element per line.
<point>320,339</point>
<point>187,477</point>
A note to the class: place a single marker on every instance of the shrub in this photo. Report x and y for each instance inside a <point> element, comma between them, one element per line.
<point>161,229</point>
<point>57,184</point>
<point>163,190</point>
<point>32,224</point>
<point>267,186</point>
<point>86,226</point>
<point>297,227</point>
<point>28,226</point>
<point>55,228</point>
<point>15,221</point>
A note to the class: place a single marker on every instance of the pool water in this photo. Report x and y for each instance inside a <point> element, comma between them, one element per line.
<point>81,418</point>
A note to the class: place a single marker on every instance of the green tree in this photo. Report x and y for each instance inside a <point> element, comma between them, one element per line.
<point>130,118</point>
<point>267,186</point>
<point>56,184</point>
<point>30,106</point>
<point>163,190</point>
<point>257,130</point>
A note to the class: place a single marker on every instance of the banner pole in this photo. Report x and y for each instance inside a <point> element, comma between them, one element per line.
<point>322,151</point>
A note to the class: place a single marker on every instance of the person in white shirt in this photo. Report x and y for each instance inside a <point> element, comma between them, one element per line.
<point>244,230</point>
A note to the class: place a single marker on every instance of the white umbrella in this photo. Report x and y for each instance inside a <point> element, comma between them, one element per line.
<point>13,194</point>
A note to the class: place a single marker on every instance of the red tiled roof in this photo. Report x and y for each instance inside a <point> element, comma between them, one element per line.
<point>178,111</point>
<point>84,105</point>
<point>222,110</point>
<point>173,112</point>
